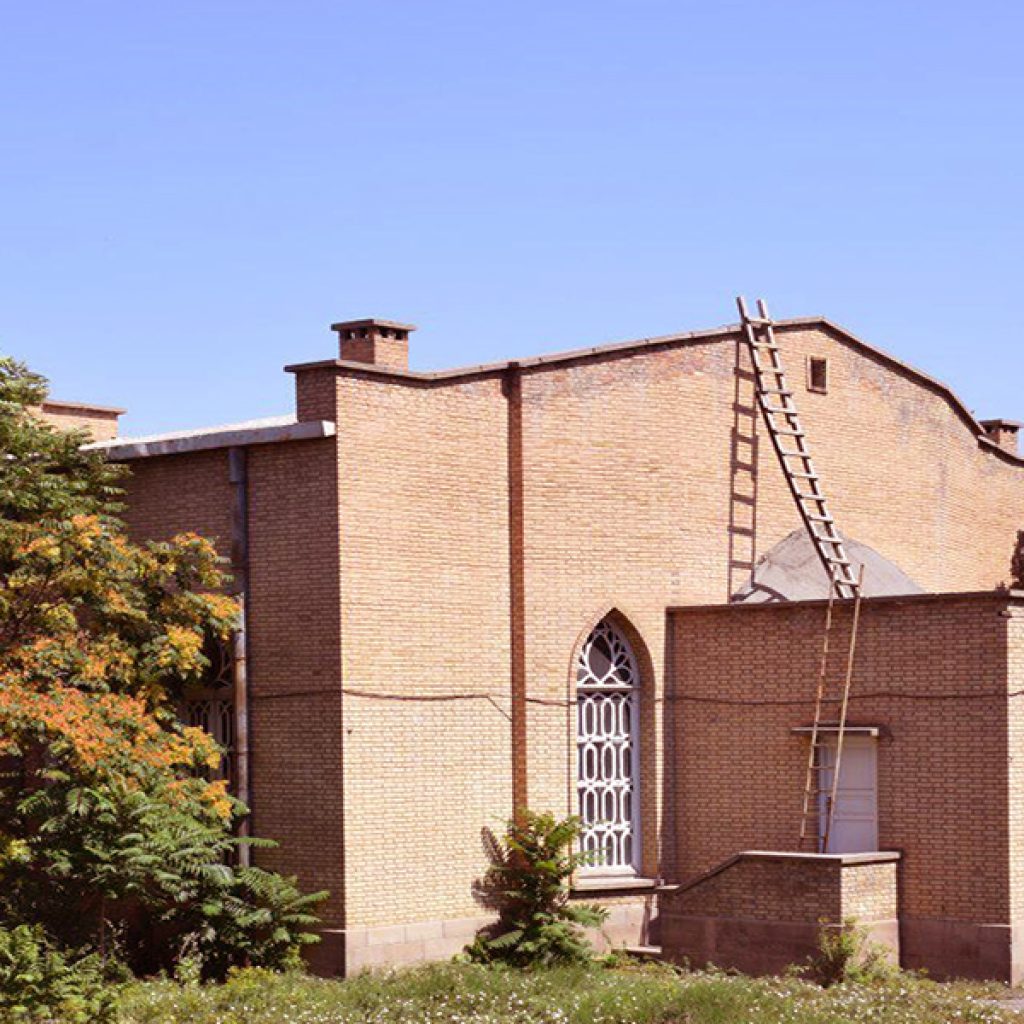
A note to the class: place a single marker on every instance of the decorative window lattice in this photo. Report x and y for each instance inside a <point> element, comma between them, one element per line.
<point>211,708</point>
<point>216,716</point>
<point>606,723</point>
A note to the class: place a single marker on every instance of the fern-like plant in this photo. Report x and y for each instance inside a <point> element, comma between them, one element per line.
<point>528,883</point>
<point>40,984</point>
<point>149,878</point>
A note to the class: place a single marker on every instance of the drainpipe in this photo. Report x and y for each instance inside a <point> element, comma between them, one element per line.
<point>238,476</point>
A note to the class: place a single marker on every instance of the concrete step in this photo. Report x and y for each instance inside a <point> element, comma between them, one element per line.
<point>644,952</point>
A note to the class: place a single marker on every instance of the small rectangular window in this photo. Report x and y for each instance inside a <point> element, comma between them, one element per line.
<point>817,374</point>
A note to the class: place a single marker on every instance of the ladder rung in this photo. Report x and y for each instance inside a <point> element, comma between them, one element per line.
<point>815,518</point>
<point>772,411</point>
<point>777,391</point>
<point>786,432</point>
<point>803,496</point>
<point>804,476</point>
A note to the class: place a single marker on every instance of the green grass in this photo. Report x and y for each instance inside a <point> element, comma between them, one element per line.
<point>467,994</point>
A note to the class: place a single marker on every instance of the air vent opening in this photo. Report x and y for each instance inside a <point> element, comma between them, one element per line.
<point>817,374</point>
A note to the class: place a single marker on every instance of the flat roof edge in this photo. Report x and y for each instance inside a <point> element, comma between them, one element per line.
<point>821,602</point>
<point>102,410</point>
<point>593,351</point>
<point>129,450</point>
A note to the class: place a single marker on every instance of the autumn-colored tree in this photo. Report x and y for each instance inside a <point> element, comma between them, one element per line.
<point>97,635</point>
<point>109,820</point>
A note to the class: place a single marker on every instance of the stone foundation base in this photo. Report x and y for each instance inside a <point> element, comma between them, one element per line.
<point>961,949</point>
<point>345,951</point>
<point>757,947</point>
<point>946,949</point>
<point>628,924</point>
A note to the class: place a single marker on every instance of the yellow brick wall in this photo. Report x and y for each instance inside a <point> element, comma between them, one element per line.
<point>1015,743</point>
<point>386,562</point>
<point>425,640</point>
<point>931,672</point>
<point>99,424</point>
<point>180,493</point>
<point>294,664</point>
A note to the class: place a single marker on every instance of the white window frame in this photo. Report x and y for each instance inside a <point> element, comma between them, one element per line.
<point>622,677</point>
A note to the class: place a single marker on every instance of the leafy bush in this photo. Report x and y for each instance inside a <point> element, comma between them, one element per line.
<point>528,883</point>
<point>40,984</point>
<point>152,872</point>
<point>846,955</point>
<point>258,919</point>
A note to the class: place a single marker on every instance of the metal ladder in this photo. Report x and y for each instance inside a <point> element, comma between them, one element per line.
<point>782,420</point>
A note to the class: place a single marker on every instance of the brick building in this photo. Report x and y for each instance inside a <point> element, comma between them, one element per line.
<point>514,584</point>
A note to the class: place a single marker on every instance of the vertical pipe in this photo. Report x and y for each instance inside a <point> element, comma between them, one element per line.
<point>238,475</point>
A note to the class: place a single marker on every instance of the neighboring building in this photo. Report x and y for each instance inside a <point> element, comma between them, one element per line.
<point>513,585</point>
<point>98,421</point>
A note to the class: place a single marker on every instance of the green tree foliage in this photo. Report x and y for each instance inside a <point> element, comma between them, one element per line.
<point>41,985</point>
<point>112,834</point>
<point>528,883</point>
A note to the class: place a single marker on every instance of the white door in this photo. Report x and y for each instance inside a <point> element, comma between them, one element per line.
<point>855,820</point>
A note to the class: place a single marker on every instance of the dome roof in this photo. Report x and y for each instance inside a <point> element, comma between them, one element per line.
<point>792,571</point>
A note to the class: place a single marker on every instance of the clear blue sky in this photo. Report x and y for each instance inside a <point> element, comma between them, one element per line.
<point>191,192</point>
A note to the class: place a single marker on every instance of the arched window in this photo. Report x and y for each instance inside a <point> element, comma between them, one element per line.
<point>210,706</point>
<point>607,688</point>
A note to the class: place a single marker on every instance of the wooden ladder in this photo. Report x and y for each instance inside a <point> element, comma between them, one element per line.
<point>790,443</point>
<point>817,811</point>
<point>778,406</point>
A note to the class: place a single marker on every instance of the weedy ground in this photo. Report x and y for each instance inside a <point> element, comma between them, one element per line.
<point>456,993</point>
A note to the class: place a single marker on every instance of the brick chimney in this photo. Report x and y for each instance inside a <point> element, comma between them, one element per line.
<point>380,342</point>
<point>1003,432</point>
